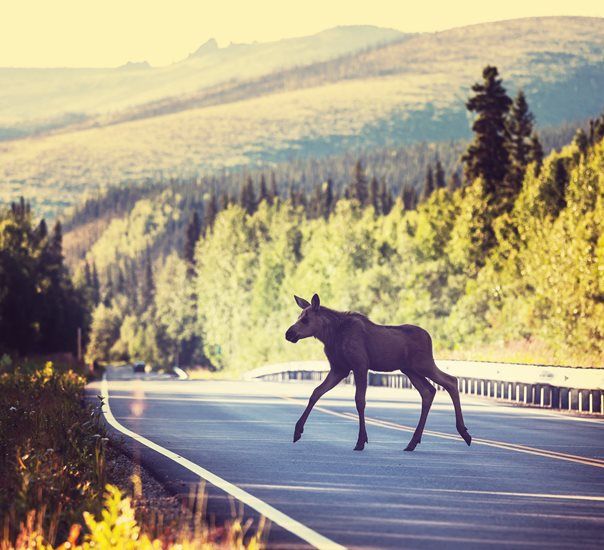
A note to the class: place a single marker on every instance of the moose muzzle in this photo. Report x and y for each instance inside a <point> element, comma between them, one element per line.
<point>291,335</point>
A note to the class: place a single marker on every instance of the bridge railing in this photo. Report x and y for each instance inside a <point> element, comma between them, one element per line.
<point>553,387</point>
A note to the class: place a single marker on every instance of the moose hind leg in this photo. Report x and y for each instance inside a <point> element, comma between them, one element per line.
<point>360,393</point>
<point>427,391</point>
<point>450,384</point>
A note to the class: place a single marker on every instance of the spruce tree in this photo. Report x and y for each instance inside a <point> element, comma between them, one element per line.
<point>263,192</point>
<point>359,190</point>
<point>428,184</point>
<point>374,195</point>
<point>225,200</point>
<point>581,141</point>
<point>273,193</point>
<point>192,236</point>
<point>519,127</point>
<point>211,212</point>
<point>96,286</point>
<point>386,200</point>
<point>409,197</point>
<point>41,231</point>
<point>293,196</point>
<point>328,198</point>
<point>439,175</point>
<point>454,181</point>
<point>56,243</point>
<point>315,207</point>
<point>487,156</point>
<point>147,284</point>
<point>536,153</point>
<point>247,196</point>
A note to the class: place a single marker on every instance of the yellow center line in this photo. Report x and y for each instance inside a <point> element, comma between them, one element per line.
<point>595,462</point>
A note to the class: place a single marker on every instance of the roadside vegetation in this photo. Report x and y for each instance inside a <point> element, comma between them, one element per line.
<point>505,256</point>
<point>52,451</point>
<point>54,483</point>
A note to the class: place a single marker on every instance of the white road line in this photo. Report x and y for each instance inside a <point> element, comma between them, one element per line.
<point>594,498</point>
<point>305,533</point>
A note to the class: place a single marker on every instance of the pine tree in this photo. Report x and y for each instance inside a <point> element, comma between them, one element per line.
<point>315,207</point>
<point>386,200</point>
<point>263,193</point>
<point>454,181</point>
<point>487,156</point>
<point>192,236</point>
<point>225,200</point>
<point>247,196</point>
<point>41,231</point>
<point>439,175</point>
<point>56,243</point>
<point>374,195</point>
<point>293,195</point>
<point>87,275</point>
<point>147,284</point>
<point>581,141</point>
<point>409,197</point>
<point>519,127</point>
<point>596,130</point>
<point>328,198</point>
<point>96,286</point>
<point>211,212</point>
<point>358,188</point>
<point>428,184</point>
<point>273,193</point>
<point>536,153</point>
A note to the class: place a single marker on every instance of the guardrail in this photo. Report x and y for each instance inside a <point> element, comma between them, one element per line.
<point>562,388</point>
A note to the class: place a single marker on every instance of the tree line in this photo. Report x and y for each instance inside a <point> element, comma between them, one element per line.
<point>40,308</point>
<point>506,251</point>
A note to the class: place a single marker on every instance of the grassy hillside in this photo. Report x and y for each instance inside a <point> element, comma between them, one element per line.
<point>31,97</point>
<point>403,92</point>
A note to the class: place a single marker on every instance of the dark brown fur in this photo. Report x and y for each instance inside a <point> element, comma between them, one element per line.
<point>354,343</point>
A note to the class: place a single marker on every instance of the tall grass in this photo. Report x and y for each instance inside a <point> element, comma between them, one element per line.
<point>117,527</point>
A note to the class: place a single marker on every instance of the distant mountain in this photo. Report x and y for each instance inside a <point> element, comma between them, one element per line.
<point>31,97</point>
<point>255,109</point>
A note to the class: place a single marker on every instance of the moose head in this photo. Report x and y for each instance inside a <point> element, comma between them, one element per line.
<point>309,322</point>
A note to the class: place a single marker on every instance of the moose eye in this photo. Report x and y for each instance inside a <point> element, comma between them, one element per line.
<point>304,321</point>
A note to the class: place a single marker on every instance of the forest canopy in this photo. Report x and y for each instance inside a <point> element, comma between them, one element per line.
<point>505,258</point>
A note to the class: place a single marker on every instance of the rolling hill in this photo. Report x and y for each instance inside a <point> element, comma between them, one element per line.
<point>36,100</point>
<point>411,89</point>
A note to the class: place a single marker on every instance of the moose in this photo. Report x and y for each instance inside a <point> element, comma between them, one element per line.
<point>354,343</point>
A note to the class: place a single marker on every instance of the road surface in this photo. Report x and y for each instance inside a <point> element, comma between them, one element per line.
<point>531,478</point>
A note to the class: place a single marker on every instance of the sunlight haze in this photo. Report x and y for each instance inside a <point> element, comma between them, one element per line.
<point>76,33</point>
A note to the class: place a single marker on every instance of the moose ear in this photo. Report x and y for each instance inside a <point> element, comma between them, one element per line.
<point>301,302</point>
<point>315,302</point>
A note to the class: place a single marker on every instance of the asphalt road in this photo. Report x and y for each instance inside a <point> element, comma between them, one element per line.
<point>530,479</point>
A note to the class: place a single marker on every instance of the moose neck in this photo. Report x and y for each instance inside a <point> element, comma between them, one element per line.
<point>332,320</point>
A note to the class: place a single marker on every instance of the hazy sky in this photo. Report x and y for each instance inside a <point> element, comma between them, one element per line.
<point>43,33</point>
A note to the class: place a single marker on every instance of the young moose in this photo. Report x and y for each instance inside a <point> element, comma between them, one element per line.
<point>353,343</point>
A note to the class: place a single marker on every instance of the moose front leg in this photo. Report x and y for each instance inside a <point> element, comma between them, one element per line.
<point>331,381</point>
<point>360,380</point>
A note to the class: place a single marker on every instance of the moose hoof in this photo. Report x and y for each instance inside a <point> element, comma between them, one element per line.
<point>466,437</point>
<point>359,447</point>
<point>298,434</point>
<point>411,446</point>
